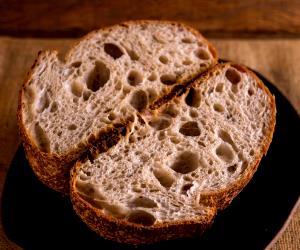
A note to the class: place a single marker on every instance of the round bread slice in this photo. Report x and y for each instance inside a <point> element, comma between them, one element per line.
<point>108,76</point>
<point>180,163</point>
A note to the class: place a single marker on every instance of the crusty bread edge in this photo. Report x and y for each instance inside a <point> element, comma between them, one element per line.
<point>45,166</point>
<point>223,198</point>
<point>50,168</point>
<point>122,231</point>
<point>125,232</point>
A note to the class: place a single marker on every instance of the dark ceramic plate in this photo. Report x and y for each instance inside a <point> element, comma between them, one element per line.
<point>34,217</point>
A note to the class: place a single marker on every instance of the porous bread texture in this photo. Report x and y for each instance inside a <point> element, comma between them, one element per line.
<point>181,162</point>
<point>105,78</point>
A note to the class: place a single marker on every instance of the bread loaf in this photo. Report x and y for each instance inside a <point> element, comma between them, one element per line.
<point>67,107</point>
<point>179,163</point>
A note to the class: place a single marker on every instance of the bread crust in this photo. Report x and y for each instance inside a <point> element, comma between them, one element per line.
<point>222,198</point>
<point>122,231</point>
<point>125,232</point>
<point>53,169</point>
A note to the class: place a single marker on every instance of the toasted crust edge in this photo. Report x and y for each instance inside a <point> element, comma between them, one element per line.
<point>223,198</point>
<point>122,231</point>
<point>52,169</point>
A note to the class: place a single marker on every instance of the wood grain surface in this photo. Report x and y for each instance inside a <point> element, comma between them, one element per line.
<point>217,18</point>
<point>277,59</point>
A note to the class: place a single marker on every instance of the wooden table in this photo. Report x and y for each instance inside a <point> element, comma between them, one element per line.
<point>264,35</point>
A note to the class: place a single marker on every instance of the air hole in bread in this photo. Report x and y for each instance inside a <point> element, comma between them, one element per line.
<point>250,91</point>
<point>98,76</point>
<point>186,188</point>
<point>43,102</point>
<point>139,100</point>
<point>136,190</point>
<point>185,162</point>
<point>193,113</point>
<point>224,152</point>
<point>141,217</point>
<point>227,138</point>
<point>219,87</point>
<point>72,127</point>
<point>244,165</point>
<point>164,177</point>
<point>152,77</point>
<point>142,201</point>
<point>95,203</point>
<point>132,54</point>
<point>187,178</point>
<point>114,210</point>
<point>152,95</point>
<point>186,40</point>
<point>113,50</point>
<point>41,137</point>
<point>175,140</point>
<point>163,59</point>
<point>160,123</point>
<point>132,138</point>
<point>202,54</point>
<point>193,98</point>
<point>83,177</point>
<point>86,95</point>
<point>126,90</point>
<point>218,107</point>
<point>251,152</point>
<point>170,110</point>
<point>168,79</point>
<point>54,107</point>
<point>161,136</point>
<point>112,116</point>
<point>233,76</point>
<point>76,64</point>
<point>232,168</point>
<point>75,100</point>
<point>134,78</point>
<point>187,62</point>
<point>190,129</point>
<point>76,89</point>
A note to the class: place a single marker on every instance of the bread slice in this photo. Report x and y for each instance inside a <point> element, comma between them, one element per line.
<point>66,107</point>
<point>180,163</point>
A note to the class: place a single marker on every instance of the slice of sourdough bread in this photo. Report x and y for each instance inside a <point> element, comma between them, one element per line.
<point>180,163</point>
<point>67,107</point>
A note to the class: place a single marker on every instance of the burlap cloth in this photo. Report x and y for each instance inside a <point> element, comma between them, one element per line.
<point>278,60</point>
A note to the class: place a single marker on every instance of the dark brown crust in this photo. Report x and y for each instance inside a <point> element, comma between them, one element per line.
<point>125,232</point>
<point>53,169</point>
<point>122,231</point>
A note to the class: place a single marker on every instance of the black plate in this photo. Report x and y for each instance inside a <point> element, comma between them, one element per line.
<point>34,217</point>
